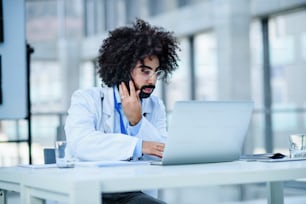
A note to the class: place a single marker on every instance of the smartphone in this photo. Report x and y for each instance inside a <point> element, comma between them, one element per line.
<point>126,82</point>
<point>142,94</point>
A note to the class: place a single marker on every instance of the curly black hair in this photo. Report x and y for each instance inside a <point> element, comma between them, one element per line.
<point>125,46</point>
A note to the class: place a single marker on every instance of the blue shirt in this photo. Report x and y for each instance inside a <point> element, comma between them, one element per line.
<point>131,130</point>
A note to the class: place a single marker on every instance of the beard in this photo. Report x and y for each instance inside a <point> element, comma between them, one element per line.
<point>144,94</point>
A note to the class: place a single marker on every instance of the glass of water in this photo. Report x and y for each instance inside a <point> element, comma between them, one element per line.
<point>62,159</point>
<point>297,146</point>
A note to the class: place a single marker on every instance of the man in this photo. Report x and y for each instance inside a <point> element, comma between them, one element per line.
<point>122,120</point>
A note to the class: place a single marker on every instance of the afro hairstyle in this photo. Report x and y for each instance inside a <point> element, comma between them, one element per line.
<point>125,46</point>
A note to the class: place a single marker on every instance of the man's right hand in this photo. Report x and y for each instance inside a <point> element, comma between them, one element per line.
<point>153,148</point>
<point>131,103</point>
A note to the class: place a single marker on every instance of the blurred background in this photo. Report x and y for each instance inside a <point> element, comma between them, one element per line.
<point>230,50</point>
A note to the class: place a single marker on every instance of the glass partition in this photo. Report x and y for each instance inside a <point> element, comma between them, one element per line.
<point>288,73</point>
<point>179,85</point>
<point>205,66</point>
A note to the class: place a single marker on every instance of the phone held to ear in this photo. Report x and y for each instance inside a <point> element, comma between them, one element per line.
<point>142,93</point>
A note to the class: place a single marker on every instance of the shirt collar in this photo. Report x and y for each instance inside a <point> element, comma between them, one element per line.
<point>146,103</point>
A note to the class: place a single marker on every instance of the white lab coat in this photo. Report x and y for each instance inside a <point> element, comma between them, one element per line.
<point>90,124</point>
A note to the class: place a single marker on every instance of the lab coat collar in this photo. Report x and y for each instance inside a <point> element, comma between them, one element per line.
<point>108,101</point>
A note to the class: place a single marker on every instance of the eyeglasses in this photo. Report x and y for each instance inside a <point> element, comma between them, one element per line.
<point>148,73</point>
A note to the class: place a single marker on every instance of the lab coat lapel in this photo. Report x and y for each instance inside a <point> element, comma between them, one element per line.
<point>108,110</point>
<point>147,107</point>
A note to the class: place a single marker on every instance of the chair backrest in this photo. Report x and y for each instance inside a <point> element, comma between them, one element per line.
<point>49,156</point>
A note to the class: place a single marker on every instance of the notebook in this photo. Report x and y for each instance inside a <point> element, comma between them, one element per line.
<point>206,131</point>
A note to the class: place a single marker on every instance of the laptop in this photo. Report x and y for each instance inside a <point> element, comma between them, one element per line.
<point>206,131</point>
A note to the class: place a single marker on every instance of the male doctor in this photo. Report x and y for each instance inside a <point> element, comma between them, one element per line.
<point>121,120</point>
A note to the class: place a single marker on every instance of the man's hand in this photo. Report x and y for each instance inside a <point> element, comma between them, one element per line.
<point>131,103</point>
<point>153,148</point>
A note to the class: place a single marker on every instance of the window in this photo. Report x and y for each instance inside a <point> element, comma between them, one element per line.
<point>287,76</point>
<point>287,72</point>
<point>179,85</point>
<point>205,66</point>
<point>88,76</point>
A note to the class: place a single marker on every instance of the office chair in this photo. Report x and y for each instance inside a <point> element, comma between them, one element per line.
<point>49,156</point>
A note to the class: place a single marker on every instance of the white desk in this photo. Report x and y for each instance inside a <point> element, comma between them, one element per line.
<point>84,184</point>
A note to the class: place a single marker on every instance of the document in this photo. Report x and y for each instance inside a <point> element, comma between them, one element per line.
<point>267,158</point>
<point>112,163</point>
<point>88,164</point>
<point>38,166</point>
<point>285,159</point>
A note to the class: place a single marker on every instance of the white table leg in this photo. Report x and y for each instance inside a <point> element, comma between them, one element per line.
<point>27,197</point>
<point>2,196</point>
<point>34,200</point>
<point>275,192</point>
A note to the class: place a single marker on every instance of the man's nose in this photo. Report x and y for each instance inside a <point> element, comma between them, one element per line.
<point>152,79</point>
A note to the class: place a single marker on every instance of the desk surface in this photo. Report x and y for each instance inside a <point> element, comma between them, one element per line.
<point>136,177</point>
